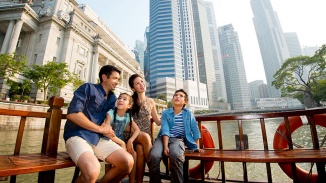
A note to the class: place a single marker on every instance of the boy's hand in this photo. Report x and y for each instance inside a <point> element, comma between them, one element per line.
<point>166,151</point>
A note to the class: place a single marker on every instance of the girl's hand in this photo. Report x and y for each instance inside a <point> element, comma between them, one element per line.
<point>130,147</point>
<point>166,151</point>
<point>123,145</point>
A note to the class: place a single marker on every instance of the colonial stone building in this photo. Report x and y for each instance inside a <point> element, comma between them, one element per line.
<point>63,31</point>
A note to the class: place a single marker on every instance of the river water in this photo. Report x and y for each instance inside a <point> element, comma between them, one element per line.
<point>256,171</point>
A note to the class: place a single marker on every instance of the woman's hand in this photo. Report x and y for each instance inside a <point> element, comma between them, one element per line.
<point>130,147</point>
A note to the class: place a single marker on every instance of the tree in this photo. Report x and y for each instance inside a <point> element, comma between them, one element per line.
<point>161,96</point>
<point>76,82</point>
<point>11,64</point>
<point>50,77</point>
<point>299,77</point>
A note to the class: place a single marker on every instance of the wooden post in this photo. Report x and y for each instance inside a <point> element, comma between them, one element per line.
<point>51,135</point>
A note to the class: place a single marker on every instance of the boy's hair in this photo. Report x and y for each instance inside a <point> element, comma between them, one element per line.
<point>183,91</point>
<point>186,95</point>
<point>107,70</point>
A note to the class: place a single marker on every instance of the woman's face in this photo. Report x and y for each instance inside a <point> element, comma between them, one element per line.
<point>139,85</point>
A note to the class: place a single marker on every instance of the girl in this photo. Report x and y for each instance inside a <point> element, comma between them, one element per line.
<point>143,110</point>
<point>120,120</point>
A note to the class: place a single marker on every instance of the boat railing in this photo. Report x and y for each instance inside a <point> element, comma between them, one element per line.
<point>285,151</point>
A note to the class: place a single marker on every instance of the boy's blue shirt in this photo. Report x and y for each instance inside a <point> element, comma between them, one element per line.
<point>190,125</point>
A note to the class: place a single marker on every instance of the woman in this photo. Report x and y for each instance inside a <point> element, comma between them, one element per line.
<point>143,110</point>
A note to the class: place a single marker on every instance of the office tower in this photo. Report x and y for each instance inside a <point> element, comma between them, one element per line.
<point>234,70</point>
<point>139,46</point>
<point>215,44</point>
<point>257,89</point>
<point>293,43</point>
<point>204,51</point>
<point>146,55</point>
<point>309,50</point>
<point>272,44</point>
<point>173,53</point>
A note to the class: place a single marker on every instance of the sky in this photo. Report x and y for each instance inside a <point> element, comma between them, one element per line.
<point>128,19</point>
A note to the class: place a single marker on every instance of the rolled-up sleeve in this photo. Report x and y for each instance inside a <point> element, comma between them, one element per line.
<point>79,101</point>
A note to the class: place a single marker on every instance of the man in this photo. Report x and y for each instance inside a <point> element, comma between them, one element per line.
<point>84,130</point>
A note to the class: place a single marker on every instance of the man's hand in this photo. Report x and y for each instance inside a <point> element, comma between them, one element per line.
<point>106,130</point>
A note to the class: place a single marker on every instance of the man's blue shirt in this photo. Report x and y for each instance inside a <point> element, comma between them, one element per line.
<point>90,100</point>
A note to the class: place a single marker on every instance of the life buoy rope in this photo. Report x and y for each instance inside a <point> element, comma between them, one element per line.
<point>280,142</point>
<point>208,142</point>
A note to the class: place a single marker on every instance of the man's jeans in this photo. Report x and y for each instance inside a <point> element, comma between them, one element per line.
<point>177,148</point>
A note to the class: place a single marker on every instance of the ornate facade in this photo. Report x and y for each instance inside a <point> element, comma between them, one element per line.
<point>63,31</point>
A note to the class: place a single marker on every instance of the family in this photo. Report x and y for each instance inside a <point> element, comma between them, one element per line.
<point>101,126</point>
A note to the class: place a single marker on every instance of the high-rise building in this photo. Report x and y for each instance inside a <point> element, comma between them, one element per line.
<point>173,51</point>
<point>204,51</point>
<point>257,89</point>
<point>146,55</point>
<point>140,47</point>
<point>219,88</point>
<point>309,50</point>
<point>293,43</point>
<point>272,43</point>
<point>234,70</point>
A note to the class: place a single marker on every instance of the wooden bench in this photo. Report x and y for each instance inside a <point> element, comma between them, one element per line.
<point>290,155</point>
<point>49,159</point>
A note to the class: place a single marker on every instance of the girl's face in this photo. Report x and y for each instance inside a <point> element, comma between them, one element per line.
<point>179,98</point>
<point>124,101</point>
<point>139,85</point>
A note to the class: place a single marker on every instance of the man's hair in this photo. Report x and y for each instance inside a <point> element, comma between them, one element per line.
<point>183,91</point>
<point>107,70</point>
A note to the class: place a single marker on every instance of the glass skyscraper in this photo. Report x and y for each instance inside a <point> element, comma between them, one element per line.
<point>234,71</point>
<point>272,43</point>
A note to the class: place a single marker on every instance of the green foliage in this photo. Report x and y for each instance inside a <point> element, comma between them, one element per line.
<point>300,76</point>
<point>51,77</point>
<point>76,82</point>
<point>162,97</point>
<point>19,88</point>
<point>11,64</point>
<point>170,104</point>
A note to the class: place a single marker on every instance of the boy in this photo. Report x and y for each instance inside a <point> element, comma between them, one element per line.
<point>179,129</point>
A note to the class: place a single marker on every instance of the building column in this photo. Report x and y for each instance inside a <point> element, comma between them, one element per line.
<point>106,62</point>
<point>95,67</point>
<point>15,36</point>
<point>7,37</point>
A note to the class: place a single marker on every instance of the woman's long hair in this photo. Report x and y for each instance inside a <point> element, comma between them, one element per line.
<point>135,107</point>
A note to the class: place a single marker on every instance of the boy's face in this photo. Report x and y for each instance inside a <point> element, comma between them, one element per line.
<point>111,82</point>
<point>179,98</point>
<point>123,102</point>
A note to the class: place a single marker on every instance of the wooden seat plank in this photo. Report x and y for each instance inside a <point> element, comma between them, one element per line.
<point>31,163</point>
<point>260,156</point>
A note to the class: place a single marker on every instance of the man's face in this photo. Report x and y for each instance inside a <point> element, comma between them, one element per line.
<point>111,82</point>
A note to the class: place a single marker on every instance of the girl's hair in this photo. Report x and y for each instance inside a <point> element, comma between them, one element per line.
<point>135,107</point>
<point>128,110</point>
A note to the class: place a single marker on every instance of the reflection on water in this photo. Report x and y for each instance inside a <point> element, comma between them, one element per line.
<point>256,171</point>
